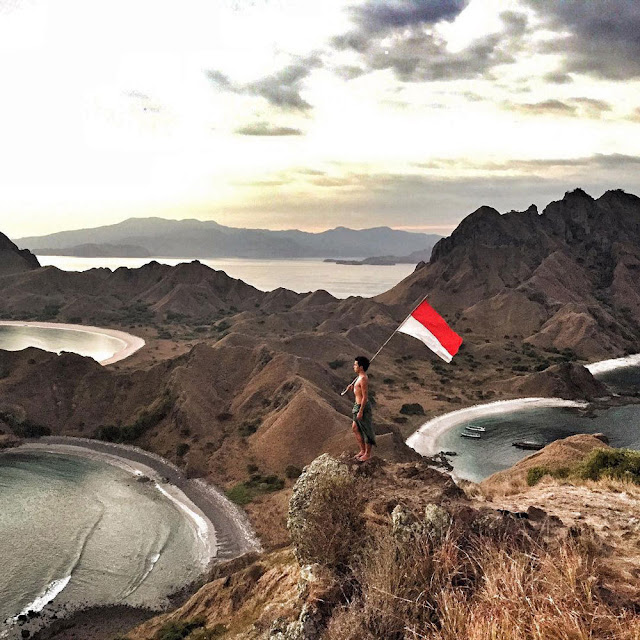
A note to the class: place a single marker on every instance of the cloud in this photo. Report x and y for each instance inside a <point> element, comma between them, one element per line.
<point>281,89</point>
<point>266,129</point>
<point>376,17</point>
<point>572,107</point>
<point>602,38</point>
<point>546,107</point>
<point>399,36</point>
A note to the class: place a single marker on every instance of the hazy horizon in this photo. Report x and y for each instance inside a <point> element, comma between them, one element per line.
<point>276,113</point>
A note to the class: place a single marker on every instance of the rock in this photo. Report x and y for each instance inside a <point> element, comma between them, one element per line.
<point>406,526</point>
<point>325,513</point>
<point>602,437</point>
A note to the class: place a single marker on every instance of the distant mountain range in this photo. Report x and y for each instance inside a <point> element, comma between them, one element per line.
<point>198,239</point>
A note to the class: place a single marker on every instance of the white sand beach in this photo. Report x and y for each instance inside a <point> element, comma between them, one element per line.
<point>130,343</point>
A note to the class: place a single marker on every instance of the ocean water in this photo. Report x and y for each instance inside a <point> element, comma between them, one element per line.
<point>493,451</point>
<point>94,345</point>
<point>339,280</point>
<point>76,531</point>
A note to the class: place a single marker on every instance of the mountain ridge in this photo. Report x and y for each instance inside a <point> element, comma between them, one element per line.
<point>208,239</point>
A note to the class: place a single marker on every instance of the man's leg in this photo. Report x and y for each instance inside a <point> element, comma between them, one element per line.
<point>367,453</point>
<point>358,435</point>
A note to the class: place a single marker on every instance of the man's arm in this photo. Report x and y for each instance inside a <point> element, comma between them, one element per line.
<point>364,388</point>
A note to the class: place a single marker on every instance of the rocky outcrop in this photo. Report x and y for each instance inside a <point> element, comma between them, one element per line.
<point>567,380</point>
<point>565,278</point>
<point>14,260</point>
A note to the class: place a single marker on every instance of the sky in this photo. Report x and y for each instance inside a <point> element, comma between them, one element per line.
<point>304,114</point>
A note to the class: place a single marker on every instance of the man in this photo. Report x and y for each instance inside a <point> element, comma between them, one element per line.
<point>362,424</point>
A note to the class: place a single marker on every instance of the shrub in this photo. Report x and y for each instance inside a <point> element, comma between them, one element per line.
<point>620,464</point>
<point>146,420</point>
<point>177,630</point>
<point>292,472</point>
<point>182,449</point>
<point>535,474</point>
<point>244,492</point>
<point>412,409</point>
<point>336,364</point>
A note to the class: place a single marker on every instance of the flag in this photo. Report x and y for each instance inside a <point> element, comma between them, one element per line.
<point>428,326</point>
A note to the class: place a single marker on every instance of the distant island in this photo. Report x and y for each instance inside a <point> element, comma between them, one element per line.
<point>146,237</point>
<point>413,258</point>
<point>93,250</point>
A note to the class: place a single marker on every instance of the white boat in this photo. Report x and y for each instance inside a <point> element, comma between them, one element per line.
<point>473,427</point>
<point>469,435</point>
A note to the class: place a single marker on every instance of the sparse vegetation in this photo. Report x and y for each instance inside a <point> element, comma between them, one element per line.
<point>244,492</point>
<point>336,364</point>
<point>145,421</point>
<point>24,428</point>
<point>412,409</point>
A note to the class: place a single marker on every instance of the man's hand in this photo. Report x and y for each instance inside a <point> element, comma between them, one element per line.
<point>350,387</point>
<point>359,416</point>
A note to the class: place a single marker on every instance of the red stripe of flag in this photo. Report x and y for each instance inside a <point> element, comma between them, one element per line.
<point>427,316</point>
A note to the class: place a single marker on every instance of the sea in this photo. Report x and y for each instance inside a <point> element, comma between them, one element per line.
<point>301,276</point>
<point>81,531</point>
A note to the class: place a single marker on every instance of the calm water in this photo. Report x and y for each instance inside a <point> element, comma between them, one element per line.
<point>94,345</point>
<point>89,532</point>
<point>340,281</point>
<point>493,452</point>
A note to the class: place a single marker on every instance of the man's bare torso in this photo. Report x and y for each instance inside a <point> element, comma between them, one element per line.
<point>360,387</point>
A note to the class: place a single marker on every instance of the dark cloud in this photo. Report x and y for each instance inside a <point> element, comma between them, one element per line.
<point>220,79</point>
<point>266,129</point>
<point>399,36</point>
<point>602,38</point>
<point>380,16</point>
<point>281,89</point>
<point>557,77</point>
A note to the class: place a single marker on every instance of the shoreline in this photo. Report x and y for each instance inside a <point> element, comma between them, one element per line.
<point>131,343</point>
<point>423,439</point>
<point>220,526</point>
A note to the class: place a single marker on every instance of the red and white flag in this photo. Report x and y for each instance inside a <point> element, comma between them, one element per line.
<point>428,326</point>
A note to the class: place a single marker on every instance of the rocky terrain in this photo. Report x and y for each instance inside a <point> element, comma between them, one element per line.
<point>389,550</point>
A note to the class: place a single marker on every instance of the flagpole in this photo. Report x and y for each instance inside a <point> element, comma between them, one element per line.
<point>388,339</point>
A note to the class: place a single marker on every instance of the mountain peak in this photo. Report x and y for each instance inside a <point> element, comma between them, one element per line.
<point>13,260</point>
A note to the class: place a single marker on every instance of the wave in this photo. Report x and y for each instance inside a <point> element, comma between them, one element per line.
<point>51,591</point>
<point>201,525</point>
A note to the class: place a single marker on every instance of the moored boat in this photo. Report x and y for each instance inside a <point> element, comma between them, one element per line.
<point>527,444</point>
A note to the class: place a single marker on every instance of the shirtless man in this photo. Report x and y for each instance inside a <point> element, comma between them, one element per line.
<point>362,424</point>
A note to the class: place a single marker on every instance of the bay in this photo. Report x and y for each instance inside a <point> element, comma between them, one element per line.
<point>301,276</point>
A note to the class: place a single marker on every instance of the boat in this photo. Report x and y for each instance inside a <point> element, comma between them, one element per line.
<point>473,427</point>
<point>527,444</point>
<point>469,435</point>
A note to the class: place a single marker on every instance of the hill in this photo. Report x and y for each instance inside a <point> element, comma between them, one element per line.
<point>562,279</point>
<point>198,239</point>
<point>14,260</point>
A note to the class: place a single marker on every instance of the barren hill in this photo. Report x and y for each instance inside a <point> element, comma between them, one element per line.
<point>565,278</point>
<point>14,260</point>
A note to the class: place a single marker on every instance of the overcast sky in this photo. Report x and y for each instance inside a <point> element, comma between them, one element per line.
<point>309,113</point>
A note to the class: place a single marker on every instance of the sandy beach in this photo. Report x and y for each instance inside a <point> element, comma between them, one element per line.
<point>221,527</point>
<point>130,343</point>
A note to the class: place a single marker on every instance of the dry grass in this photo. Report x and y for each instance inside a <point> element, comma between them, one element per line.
<point>482,589</point>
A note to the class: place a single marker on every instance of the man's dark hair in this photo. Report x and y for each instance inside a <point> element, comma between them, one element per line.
<point>363,362</point>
